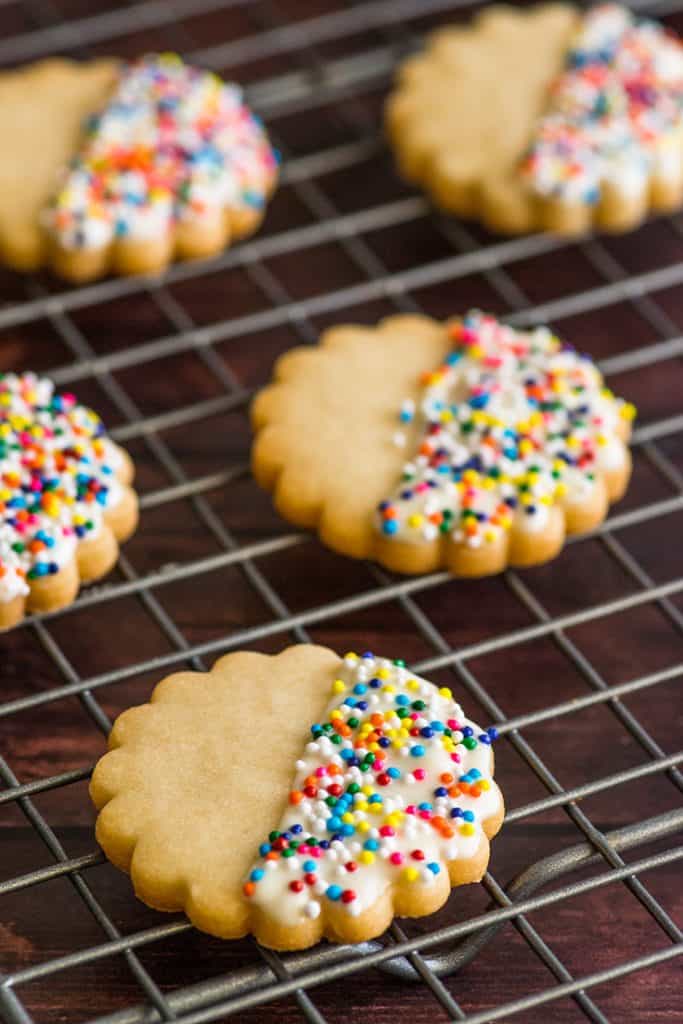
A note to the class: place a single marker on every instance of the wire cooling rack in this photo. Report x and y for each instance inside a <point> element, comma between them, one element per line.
<point>578,663</point>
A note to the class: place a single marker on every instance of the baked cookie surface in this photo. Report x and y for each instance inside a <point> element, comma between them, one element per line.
<point>545,118</point>
<point>65,497</point>
<point>298,796</point>
<point>468,445</point>
<point>138,164</point>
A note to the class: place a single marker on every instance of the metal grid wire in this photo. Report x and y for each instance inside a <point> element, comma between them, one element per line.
<point>318,81</point>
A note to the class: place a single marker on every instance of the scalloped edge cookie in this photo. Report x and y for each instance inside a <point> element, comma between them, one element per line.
<point>196,780</point>
<point>467,151</point>
<point>50,101</point>
<point>61,520</point>
<point>324,447</point>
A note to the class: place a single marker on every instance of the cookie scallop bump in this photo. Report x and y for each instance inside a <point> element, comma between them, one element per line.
<point>467,445</point>
<point>65,497</point>
<point>556,119</point>
<point>298,796</point>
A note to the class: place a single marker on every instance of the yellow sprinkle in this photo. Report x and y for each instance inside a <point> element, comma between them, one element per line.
<point>415,520</point>
<point>367,857</point>
<point>388,688</point>
<point>411,874</point>
<point>383,673</point>
<point>467,829</point>
<point>412,684</point>
<point>338,686</point>
<point>368,790</point>
<point>484,784</point>
<point>560,490</point>
<point>445,692</point>
<point>348,818</point>
<point>363,826</point>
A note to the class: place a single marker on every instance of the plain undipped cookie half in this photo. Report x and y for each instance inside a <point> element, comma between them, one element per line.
<point>298,796</point>
<point>467,445</point>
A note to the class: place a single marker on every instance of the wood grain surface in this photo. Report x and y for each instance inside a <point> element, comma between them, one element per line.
<point>605,928</point>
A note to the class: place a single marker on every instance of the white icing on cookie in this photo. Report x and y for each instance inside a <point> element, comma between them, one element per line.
<point>394,783</point>
<point>511,423</point>
<point>174,144</point>
<point>615,114</point>
<point>57,476</point>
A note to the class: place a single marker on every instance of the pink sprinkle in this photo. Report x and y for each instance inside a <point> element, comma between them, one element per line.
<point>396,858</point>
<point>452,723</point>
<point>411,809</point>
<point>419,774</point>
<point>456,758</point>
<point>320,771</point>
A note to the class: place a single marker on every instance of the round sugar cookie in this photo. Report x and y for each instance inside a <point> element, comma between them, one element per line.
<point>135,165</point>
<point>65,497</point>
<point>546,118</point>
<point>298,796</point>
<point>468,445</point>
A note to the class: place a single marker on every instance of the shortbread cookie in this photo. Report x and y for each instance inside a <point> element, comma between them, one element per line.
<point>298,796</point>
<point>42,109</point>
<point>545,118</point>
<point>169,163</point>
<point>65,497</point>
<point>467,445</point>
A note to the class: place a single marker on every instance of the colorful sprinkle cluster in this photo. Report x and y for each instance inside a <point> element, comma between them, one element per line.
<point>513,422</point>
<point>175,143</point>
<point>615,113</point>
<point>394,782</point>
<point>56,478</point>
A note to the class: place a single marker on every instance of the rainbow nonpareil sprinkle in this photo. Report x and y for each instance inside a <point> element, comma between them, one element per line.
<point>174,144</point>
<point>57,476</point>
<point>394,783</point>
<point>512,422</point>
<point>615,113</point>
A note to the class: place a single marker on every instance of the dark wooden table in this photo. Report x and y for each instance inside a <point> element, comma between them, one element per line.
<point>340,223</point>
